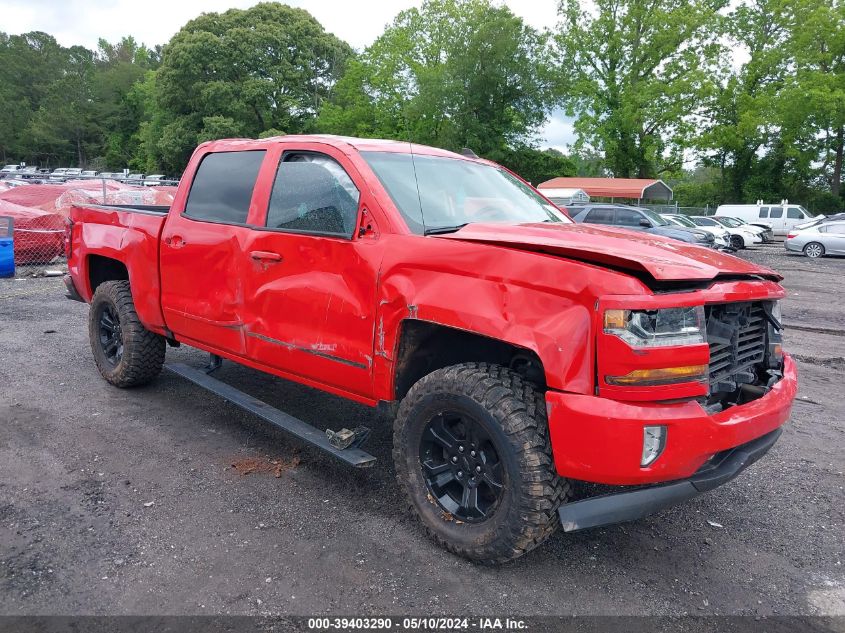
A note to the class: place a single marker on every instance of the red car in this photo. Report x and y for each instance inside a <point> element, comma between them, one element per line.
<point>518,351</point>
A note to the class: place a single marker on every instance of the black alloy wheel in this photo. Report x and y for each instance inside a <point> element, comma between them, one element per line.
<point>110,335</point>
<point>461,467</point>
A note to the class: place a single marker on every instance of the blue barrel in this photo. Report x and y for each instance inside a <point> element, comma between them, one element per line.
<point>7,250</point>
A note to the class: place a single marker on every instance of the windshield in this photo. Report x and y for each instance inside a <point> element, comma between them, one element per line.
<point>433,192</point>
<point>684,221</point>
<point>728,222</point>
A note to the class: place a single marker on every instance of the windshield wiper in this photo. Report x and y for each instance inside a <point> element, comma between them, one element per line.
<point>437,230</point>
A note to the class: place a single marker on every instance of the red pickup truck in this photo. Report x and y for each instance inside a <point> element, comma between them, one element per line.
<point>518,351</point>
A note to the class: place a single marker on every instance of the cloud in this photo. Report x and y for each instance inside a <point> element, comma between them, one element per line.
<point>559,132</point>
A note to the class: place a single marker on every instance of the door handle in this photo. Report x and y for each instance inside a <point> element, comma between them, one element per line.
<point>267,256</point>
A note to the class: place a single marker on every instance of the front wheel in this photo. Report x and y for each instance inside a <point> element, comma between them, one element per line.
<point>737,242</point>
<point>126,353</point>
<point>472,451</point>
<point>814,250</point>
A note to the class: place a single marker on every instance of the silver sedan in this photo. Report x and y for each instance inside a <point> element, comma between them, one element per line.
<point>819,240</point>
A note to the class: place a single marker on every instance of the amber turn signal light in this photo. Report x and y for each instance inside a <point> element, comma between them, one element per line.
<point>662,376</point>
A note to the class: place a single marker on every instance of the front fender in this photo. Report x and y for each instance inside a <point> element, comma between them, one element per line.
<point>551,315</point>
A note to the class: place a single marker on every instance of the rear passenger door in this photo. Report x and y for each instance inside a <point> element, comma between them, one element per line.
<point>834,238</point>
<point>202,252</point>
<point>311,280</point>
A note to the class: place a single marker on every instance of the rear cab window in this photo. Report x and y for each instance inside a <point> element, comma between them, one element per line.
<point>222,187</point>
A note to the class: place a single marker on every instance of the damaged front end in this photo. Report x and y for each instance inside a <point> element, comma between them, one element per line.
<point>746,352</point>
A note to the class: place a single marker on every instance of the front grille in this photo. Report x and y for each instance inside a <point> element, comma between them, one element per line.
<point>736,333</point>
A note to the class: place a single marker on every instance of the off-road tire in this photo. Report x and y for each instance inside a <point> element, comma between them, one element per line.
<point>737,242</point>
<point>513,410</point>
<point>143,351</point>
<point>817,250</point>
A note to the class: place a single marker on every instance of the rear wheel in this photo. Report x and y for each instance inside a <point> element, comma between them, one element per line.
<point>814,250</point>
<point>737,242</point>
<point>472,452</point>
<point>126,353</point>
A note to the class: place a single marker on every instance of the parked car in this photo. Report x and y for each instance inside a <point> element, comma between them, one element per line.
<point>89,173</point>
<point>820,219</point>
<point>740,237</point>
<point>781,217</point>
<point>518,350</point>
<point>58,175</point>
<point>818,241</point>
<point>721,235</point>
<point>112,175</point>
<point>10,169</point>
<point>153,180</point>
<point>766,234</point>
<point>638,219</point>
<point>134,179</point>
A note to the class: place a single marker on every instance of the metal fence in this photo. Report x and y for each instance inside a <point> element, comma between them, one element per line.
<point>36,241</point>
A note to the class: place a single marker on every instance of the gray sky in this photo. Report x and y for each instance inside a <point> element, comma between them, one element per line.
<point>153,22</point>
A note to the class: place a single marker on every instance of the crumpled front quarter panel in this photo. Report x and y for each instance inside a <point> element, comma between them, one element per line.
<point>539,302</point>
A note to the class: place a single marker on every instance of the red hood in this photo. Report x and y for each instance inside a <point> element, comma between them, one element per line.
<point>662,258</point>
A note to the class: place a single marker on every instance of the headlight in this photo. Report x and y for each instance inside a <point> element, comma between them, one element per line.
<point>657,328</point>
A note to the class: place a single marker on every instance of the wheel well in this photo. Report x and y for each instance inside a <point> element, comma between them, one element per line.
<point>425,347</point>
<point>102,269</point>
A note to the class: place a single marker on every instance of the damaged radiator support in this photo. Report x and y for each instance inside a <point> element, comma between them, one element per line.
<point>736,333</point>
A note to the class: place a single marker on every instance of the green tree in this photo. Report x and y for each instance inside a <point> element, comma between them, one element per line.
<point>239,73</point>
<point>29,64</point>
<point>452,73</point>
<point>633,71</point>
<point>65,124</point>
<point>740,115</point>
<point>814,95</point>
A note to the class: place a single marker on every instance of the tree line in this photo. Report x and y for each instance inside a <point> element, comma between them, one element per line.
<point>726,101</point>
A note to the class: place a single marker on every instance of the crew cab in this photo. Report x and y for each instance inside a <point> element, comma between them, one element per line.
<point>517,351</point>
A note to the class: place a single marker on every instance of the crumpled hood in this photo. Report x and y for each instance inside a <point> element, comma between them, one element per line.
<point>664,259</point>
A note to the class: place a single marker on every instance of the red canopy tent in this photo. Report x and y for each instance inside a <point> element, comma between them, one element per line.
<point>625,188</point>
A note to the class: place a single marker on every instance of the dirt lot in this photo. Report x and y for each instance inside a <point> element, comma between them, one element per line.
<point>167,500</point>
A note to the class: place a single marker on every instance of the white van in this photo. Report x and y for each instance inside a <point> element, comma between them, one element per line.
<point>780,217</point>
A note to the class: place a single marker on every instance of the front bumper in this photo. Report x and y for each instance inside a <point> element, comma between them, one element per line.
<point>600,440</point>
<point>628,506</point>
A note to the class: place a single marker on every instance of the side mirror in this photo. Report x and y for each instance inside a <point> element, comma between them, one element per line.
<point>645,223</point>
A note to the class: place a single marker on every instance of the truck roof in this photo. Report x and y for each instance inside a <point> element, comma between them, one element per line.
<point>360,144</point>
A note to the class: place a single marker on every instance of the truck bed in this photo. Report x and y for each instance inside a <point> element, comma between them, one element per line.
<point>128,234</point>
<point>157,209</point>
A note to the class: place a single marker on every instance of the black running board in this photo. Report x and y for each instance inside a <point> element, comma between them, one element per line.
<point>296,427</point>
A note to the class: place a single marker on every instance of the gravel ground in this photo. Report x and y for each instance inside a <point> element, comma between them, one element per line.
<point>127,502</point>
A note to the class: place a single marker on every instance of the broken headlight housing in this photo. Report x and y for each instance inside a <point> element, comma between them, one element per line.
<point>775,335</point>
<point>662,327</point>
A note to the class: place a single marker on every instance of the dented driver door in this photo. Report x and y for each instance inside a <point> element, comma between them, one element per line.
<point>310,296</point>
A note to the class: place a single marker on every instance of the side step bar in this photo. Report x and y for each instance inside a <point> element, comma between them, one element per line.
<point>296,427</point>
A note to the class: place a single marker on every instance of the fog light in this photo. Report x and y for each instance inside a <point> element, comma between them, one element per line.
<point>654,441</point>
